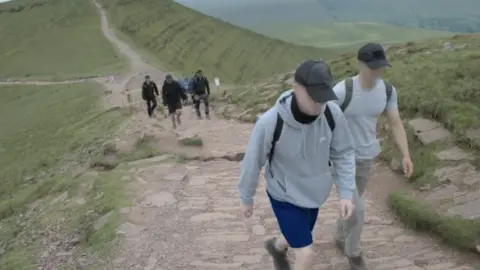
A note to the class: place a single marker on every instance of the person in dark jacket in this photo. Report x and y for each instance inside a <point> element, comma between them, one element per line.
<point>172,95</point>
<point>201,92</point>
<point>149,93</point>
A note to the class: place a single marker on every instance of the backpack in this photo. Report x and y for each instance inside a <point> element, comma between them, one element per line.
<point>279,127</point>
<point>349,92</point>
<point>198,85</point>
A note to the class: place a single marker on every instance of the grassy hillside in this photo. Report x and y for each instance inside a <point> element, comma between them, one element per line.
<point>46,133</point>
<point>349,35</point>
<point>433,82</point>
<point>185,40</point>
<point>458,16</point>
<point>54,39</point>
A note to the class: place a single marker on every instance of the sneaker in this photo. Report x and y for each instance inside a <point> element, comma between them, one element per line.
<point>357,263</point>
<point>207,116</point>
<point>199,117</point>
<point>280,260</point>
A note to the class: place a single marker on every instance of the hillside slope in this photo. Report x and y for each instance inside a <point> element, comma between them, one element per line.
<point>350,35</point>
<point>54,39</point>
<point>185,40</point>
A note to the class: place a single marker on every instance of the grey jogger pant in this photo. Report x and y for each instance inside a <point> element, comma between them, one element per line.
<point>349,231</point>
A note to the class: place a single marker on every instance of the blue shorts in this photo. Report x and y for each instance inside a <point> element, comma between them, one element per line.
<point>296,223</point>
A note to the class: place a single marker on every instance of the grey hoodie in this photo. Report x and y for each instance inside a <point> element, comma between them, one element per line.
<point>301,174</point>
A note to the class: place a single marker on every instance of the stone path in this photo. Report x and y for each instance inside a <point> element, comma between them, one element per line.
<point>458,191</point>
<point>187,216</point>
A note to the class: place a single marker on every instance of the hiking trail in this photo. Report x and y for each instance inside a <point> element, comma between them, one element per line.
<point>185,213</point>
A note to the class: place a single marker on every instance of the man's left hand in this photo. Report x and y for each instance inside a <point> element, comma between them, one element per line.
<point>407,167</point>
<point>346,208</point>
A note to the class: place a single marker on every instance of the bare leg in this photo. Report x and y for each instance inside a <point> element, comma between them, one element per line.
<point>304,258</point>
<point>281,243</point>
<point>179,113</point>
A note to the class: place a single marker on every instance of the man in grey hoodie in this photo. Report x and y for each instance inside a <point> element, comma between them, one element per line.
<point>299,137</point>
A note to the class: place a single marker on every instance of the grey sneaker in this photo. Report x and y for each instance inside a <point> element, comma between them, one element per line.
<point>357,263</point>
<point>280,260</point>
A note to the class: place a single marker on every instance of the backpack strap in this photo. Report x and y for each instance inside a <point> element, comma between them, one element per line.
<point>276,137</point>
<point>348,93</point>
<point>331,123</point>
<point>388,91</point>
<point>329,117</point>
<point>276,133</point>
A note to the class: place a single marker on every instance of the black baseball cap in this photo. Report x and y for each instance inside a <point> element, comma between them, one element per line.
<point>373,55</point>
<point>316,77</point>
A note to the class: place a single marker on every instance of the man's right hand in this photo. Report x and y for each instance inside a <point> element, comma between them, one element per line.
<point>247,210</point>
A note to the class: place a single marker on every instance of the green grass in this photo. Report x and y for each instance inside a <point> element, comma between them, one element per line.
<point>431,83</point>
<point>111,157</point>
<point>46,133</point>
<point>185,40</point>
<point>53,39</point>
<point>196,141</point>
<point>453,230</point>
<point>349,35</point>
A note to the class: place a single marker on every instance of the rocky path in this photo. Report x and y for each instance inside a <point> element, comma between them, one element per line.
<point>185,213</point>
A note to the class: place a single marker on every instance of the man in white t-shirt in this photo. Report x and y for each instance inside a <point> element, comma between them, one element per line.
<point>363,98</point>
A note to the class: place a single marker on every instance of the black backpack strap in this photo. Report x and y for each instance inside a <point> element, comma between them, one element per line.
<point>276,137</point>
<point>276,134</point>
<point>330,121</point>
<point>329,117</point>
<point>348,93</point>
<point>388,91</point>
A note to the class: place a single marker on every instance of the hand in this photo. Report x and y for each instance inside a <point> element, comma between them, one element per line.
<point>407,167</point>
<point>346,208</point>
<point>247,210</point>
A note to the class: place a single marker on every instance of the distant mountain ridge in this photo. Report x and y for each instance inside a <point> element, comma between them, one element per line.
<point>455,16</point>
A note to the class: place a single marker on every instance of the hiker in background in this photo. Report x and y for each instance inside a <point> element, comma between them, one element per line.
<point>362,99</point>
<point>295,140</point>
<point>149,94</point>
<point>201,92</point>
<point>172,95</point>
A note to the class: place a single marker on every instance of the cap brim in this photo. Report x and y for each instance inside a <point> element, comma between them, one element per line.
<point>321,93</point>
<point>376,64</point>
